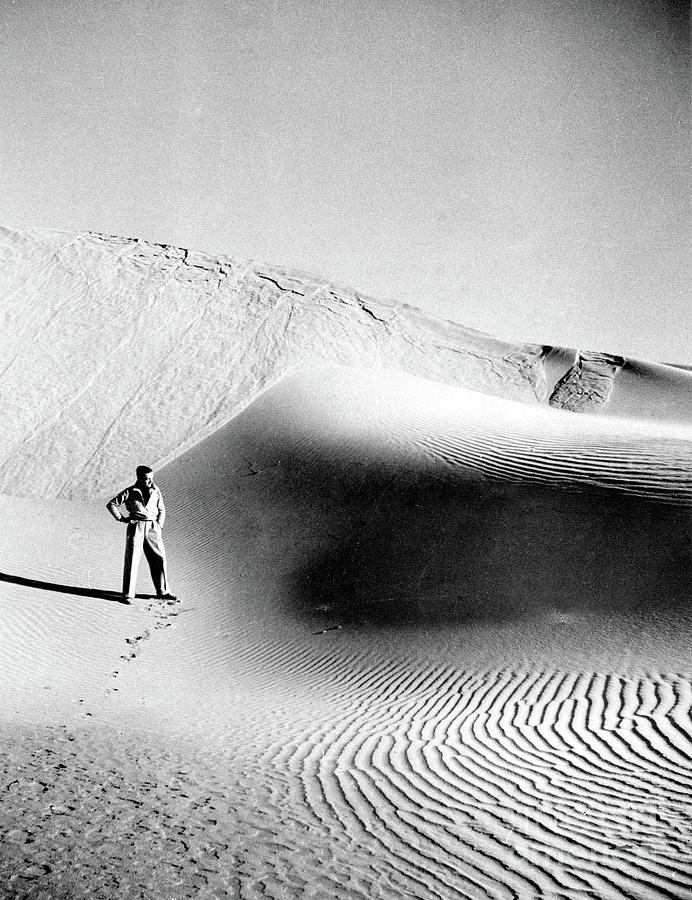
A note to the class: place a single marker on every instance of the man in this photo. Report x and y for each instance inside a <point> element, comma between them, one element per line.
<point>146,514</point>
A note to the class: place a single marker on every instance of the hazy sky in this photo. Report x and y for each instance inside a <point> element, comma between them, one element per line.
<point>521,167</point>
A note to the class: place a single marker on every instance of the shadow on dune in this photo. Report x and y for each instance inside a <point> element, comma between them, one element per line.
<point>368,527</point>
<point>113,596</point>
<point>414,551</point>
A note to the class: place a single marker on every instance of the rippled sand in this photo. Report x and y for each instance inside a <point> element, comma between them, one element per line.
<point>428,644</point>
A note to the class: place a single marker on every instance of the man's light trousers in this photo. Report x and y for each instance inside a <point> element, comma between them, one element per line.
<point>144,536</point>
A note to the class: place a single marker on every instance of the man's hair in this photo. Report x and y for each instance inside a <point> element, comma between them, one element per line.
<point>143,470</point>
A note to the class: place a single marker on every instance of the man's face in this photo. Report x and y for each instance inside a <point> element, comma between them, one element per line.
<point>146,479</point>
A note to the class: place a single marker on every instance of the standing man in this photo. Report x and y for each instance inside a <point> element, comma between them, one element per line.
<point>146,514</point>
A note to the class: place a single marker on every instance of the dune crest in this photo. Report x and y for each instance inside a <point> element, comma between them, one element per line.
<point>140,350</point>
<point>124,338</point>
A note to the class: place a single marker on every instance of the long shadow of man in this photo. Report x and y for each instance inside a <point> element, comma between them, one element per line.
<point>113,596</point>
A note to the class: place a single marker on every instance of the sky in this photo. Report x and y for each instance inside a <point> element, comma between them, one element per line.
<point>521,167</point>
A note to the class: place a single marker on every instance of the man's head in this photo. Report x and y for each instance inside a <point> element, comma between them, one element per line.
<point>145,476</point>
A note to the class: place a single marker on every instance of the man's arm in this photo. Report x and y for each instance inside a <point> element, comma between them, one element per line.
<point>113,506</point>
<point>161,515</point>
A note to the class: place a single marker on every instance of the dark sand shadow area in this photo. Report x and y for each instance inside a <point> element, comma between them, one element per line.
<point>76,590</point>
<point>416,550</point>
<point>375,528</point>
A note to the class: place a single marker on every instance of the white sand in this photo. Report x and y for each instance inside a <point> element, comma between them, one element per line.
<point>428,644</point>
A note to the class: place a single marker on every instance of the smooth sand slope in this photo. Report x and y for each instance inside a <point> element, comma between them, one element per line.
<point>429,643</point>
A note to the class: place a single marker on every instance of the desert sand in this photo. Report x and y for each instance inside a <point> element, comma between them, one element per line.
<point>432,635</point>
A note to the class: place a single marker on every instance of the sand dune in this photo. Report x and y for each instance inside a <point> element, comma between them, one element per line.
<point>401,502</point>
<point>432,636</point>
<point>428,644</point>
<point>137,349</point>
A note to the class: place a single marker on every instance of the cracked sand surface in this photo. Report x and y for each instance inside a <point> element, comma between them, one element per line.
<point>225,334</point>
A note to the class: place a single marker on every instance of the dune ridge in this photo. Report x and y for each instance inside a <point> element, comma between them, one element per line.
<point>124,338</point>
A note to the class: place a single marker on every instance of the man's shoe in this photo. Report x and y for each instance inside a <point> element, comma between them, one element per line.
<point>166,596</point>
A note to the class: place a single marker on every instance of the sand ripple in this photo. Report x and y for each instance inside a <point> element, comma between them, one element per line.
<point>503,784</point>
<point>432,783</point>
<point>495,439</point>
